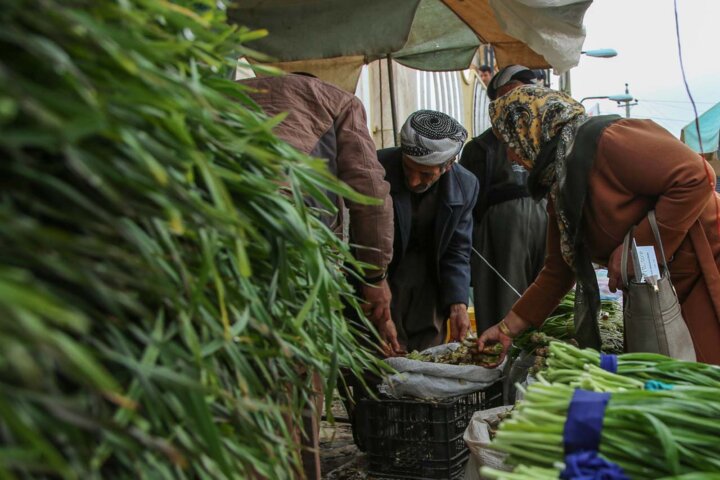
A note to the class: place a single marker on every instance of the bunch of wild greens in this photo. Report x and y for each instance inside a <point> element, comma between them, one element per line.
<point>560,325</point>
<point>160,298</point>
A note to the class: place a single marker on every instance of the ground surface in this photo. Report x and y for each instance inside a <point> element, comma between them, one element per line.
<point>340,458</point>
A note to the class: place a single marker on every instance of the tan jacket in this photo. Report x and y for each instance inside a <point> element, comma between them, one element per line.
<point>640,166</point>
<point>329,123</point>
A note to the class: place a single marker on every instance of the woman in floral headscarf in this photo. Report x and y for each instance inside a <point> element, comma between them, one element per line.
<point>602,175</point>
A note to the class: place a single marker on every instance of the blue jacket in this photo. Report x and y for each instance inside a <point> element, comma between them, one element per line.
<point>453,225</point>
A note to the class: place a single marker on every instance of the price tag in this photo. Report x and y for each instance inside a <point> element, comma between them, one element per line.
<point>646,264</point>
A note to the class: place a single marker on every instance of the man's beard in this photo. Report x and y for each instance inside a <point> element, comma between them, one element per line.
<point>422,188</point>
<point>425,187</point>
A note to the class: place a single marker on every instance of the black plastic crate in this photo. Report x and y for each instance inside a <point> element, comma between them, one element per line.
<point>417,439</point>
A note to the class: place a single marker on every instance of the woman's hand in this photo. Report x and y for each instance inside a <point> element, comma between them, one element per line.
<point>503,332</point>
<point>615,281</point>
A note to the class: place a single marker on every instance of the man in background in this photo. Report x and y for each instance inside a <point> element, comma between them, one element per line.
<point>486,74</point>
<point>510,227</point>
<point>433,198</point>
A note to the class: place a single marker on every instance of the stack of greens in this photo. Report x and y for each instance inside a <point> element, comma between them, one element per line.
<point>560,326</point>
<point>162,304</point>
<point>568,364</point>
<point>661,419</point>
<point>650,434</point>
<point>521,472</point>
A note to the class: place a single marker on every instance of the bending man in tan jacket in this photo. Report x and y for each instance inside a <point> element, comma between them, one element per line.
<point>326,122</point>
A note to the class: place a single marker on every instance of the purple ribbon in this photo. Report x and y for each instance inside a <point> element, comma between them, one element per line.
<point>609,363</point>
<point>584,422</point>
<point>581,438</point>
<point>589,466</point>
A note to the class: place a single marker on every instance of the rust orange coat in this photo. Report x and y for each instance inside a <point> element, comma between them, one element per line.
<point>640,166</point>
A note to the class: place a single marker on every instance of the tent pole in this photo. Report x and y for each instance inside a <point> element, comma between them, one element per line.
<point>392,98</point>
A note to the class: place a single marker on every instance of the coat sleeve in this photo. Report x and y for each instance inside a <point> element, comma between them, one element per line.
<point>647,160</point>
<point>474,159</point>
<point>371,226</point>
<point>455,262</point>
<point>552,284</point>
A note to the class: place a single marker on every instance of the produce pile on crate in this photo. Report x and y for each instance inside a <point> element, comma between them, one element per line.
<point>466,354</point>
<point>560,326</point>
<point>661,418</point>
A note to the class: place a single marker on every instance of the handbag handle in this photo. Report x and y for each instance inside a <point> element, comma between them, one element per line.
<point>626,247</point>
<point>656,232</point>
<point>624,256</point>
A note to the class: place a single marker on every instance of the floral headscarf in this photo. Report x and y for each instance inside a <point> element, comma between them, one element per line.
<point>529,117</point>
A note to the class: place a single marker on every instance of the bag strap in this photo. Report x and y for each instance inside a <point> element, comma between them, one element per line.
<point>656,232</point>
<point>626,247</point>
<point>624,256</point>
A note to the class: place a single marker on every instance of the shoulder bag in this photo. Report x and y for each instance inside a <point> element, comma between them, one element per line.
<point>651,313</point>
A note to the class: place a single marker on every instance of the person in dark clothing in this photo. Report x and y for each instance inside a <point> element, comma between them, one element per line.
<point>510,226</point>
<point>433,198</point>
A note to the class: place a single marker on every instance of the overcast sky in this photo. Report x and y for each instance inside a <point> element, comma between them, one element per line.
<point>643,33</point>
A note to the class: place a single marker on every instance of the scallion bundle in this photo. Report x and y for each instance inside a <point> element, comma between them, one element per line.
<point>521,472</point>
<point>650,434</point>
<point>641,367</point>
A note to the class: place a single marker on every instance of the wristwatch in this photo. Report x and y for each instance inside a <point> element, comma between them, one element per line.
<point>376,278</point>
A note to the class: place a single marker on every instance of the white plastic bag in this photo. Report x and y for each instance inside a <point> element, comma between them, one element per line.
<point>430,380</point>
<point>519,370</point>
<point>529,380</point>
<point>477,438</point>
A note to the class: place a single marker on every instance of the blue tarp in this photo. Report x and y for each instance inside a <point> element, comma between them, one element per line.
<point>709,130</point>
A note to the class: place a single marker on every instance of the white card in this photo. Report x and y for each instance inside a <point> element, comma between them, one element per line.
<point>645,261</point>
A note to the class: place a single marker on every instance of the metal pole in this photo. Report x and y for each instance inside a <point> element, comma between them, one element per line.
<point>392,98</point>
<point>565,85</point>
<point>627,103</point>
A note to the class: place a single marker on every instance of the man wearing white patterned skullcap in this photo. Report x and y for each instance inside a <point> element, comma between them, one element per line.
<point>432,138</point>
<point>433,199</point>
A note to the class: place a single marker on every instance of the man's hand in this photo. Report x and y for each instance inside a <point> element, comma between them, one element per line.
<point>388,335</point>
<point>377,302</point>
<point>377,309</point>
<point>459,321</point>
<point>513,326</point>
<point>614,275</point>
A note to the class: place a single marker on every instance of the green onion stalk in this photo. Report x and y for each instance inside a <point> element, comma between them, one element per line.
<point>521,472</point>
<point>524,472</point>
<point>650,434</point>
<point>636,368</point>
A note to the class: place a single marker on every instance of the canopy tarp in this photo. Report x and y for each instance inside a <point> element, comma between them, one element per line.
<point>709,131</point>
<point>301,30</point>
<point>430,35</point>
<point>534,33</point>
<point>421,34</point>
<point>317,36</point>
